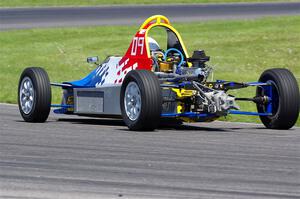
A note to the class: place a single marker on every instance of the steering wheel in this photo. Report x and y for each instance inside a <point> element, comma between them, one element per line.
<point>176,50</point>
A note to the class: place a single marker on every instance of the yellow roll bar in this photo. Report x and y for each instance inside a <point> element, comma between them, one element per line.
<point>160,20</point>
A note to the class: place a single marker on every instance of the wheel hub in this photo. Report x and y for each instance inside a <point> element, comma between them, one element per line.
<point>26,94</point>
<point>132,101</point>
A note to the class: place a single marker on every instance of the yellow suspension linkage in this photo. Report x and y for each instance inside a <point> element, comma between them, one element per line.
<point>70,101</point>
<point>182,93</point>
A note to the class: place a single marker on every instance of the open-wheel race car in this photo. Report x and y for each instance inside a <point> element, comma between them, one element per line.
<point>149,84</point>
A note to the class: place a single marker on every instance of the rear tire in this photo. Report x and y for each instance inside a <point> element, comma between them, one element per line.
<point>34,95</point>
<point>285,99</point>
<point>141,100</point>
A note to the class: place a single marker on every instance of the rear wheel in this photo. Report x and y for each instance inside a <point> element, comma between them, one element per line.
<point>141,100</point>
<point>34,95</point>
<point>285,98</point>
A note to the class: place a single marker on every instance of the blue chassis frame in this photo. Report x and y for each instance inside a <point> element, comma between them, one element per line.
<point>266,86</point>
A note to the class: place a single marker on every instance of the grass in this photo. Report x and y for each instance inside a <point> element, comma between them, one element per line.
<point>240,50</point>
<point>35,3</point>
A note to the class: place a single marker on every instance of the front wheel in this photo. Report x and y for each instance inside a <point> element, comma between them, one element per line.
<point>141,100</point>
<point>285,98</point>
<point>34,95</point>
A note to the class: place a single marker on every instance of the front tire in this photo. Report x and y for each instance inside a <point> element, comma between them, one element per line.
<point>141,100</point>
<point>285,99</point>
<point>34,95</point>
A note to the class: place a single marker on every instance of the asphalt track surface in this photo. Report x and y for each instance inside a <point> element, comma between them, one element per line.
<point>22,18</point>
<point>79,157</point>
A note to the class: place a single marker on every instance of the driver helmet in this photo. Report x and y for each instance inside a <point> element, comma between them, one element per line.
<point>153,44</point>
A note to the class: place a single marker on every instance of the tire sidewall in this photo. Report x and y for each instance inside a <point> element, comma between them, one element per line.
<point>287,110</point>
<point>141,86</point>
<point>28,73</point>
<point>151,100</point>
<point>270,78</point>
<point>42,95</point>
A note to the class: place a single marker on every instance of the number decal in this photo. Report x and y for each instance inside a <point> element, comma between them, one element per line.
<point>137,45</point>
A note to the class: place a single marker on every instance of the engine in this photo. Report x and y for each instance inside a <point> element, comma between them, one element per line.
<point>190,93</point>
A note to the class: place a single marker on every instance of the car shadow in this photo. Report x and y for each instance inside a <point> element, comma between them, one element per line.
<point>188,127</point>
<point>93,121</point>
<point>120,123</point>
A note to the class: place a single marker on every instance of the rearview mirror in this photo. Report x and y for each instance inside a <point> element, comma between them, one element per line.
<point>92,60</point>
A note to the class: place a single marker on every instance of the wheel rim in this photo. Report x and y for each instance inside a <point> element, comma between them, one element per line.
<point>26,94</point>
<point>132,101</point>
<point>275,97</point>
